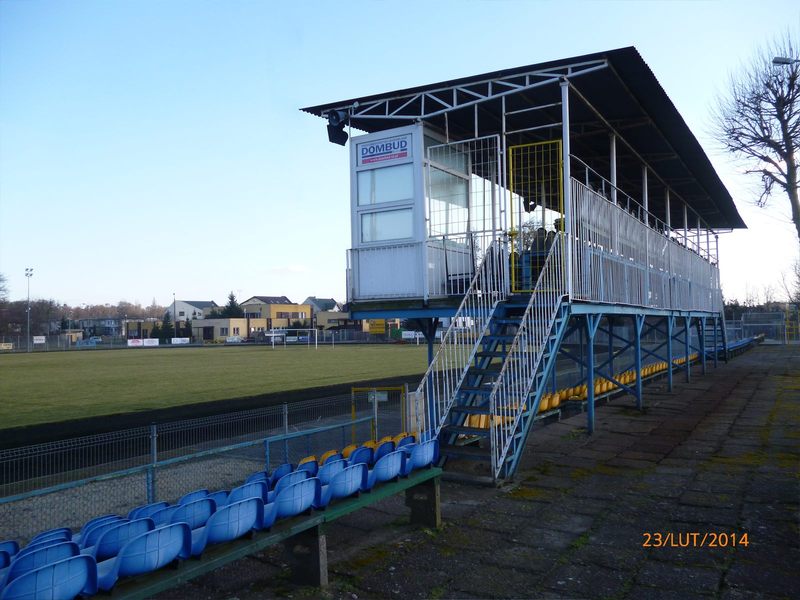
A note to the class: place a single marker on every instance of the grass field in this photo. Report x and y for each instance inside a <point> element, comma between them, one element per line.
<point>54,386</point>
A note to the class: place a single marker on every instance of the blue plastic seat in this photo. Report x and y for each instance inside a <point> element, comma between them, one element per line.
<point>163,516</point>
<point>146,510</point>
<point>192,496</point>
<point>116,536</point>
<point>310,466</point>
<point>195,514</point>
<point>296,498</point>
<point>91,524</point>
<point>254,489</point>
<point>34,547</point>
<point>66,578</point>
<point>387,468</point>
<point>286,481</point>
<point>257,476</point>
<point>228,523</point>
<point>220,497</point>
<point>146,553</point>
<point>61,533</point>
<point>332,457</point>
<point>344,484</point>
<point>362,454</point>
<point>406,440</point>
<point>329,469</point>
<point>38,558</point>
<point>90,538</point>
<point>5,559</point>
<point>382,450</point>
<point>279,472</point>
<point>420,455</point>
<point>9,546</point>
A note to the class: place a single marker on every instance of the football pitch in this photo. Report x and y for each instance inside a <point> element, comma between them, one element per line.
<point>46,387</point>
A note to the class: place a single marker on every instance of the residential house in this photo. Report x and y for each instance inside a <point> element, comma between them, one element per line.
<point>222,329</point>
<point>189,310</point>
<point>327,314</point>
<point>279,311</point>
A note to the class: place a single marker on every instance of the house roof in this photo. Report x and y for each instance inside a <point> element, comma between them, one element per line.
<point>268,300</point>
<point>619,90</point>
<point>200,303</point>
<point>322,304</point>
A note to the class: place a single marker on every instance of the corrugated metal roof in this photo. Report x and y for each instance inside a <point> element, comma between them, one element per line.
<point>627,96</point>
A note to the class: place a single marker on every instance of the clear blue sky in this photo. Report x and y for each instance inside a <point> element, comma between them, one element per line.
<point>153,147</point>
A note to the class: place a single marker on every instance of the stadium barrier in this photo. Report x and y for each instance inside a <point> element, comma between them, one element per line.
<point>72,479</point>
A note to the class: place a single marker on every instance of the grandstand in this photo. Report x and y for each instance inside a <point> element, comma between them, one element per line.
<point>564,220</point>
<point>562,216</point>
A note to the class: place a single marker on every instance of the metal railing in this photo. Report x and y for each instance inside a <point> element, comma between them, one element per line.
<point>437,390</point>
<point>64,483</point>
<point>620,259</point>
<point>510,394</point>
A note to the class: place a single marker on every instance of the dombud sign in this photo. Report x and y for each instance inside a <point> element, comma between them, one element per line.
<point>384,150</point>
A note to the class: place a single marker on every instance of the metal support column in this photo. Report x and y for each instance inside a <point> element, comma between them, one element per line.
<point>687,331</point>
<point>670,333</point>
<point>701,330</point>
<point>716,342</point>
<point>567,183</point>
<point>592,321</point>
<point>638,321</point>
<point>610,346</point>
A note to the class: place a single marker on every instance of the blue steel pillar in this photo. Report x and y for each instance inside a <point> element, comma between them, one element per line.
<point>670,330</point>
<point>701,330</point>
<point>592,322</point>
<point>637,349</point>
<point>611,346</point>
<point>716,342</point>
<point>687,331</point>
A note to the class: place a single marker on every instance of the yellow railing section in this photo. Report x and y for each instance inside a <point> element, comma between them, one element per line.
<point>537,208</point>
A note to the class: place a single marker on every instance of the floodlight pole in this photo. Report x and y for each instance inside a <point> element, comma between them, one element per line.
<point>28,275</point>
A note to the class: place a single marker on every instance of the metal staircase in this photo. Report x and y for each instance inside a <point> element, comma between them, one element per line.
<point>496,398</point>
<point>713,337</point>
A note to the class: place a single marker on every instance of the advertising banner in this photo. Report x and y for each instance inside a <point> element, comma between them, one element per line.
<point>150,342</point>
<point>181,341</point>
<point>384,150</point>
<point>137,343</point>
<point>39,339</point>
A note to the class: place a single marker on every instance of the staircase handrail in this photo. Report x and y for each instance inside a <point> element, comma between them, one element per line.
<point>511,388</point>
<point>437,390</point>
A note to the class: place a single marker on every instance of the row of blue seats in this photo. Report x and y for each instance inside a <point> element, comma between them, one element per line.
<point>58,563</point>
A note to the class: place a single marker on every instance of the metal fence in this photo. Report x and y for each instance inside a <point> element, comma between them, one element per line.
<point>65,483</point>
<point>620,259</point>
<point>772,325</point>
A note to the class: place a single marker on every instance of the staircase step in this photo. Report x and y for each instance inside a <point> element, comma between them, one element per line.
<point>471,410</point>
<point>486,391</point>
<point>508,320</point>
<point>467,452</point>
<point>490,354</point>
<point>501,337</point>
<point>464,430</point>
<point>476,372</point>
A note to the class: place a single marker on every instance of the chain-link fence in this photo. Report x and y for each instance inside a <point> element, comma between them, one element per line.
<point>771,325</point>
<point>67,482</point>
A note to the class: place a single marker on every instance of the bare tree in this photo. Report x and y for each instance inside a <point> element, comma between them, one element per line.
<point>791,284</point>
<point>758,119</point>
<point>3,288</point>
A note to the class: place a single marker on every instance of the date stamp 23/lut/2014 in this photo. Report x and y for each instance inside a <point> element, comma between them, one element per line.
<point>694,539</point>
